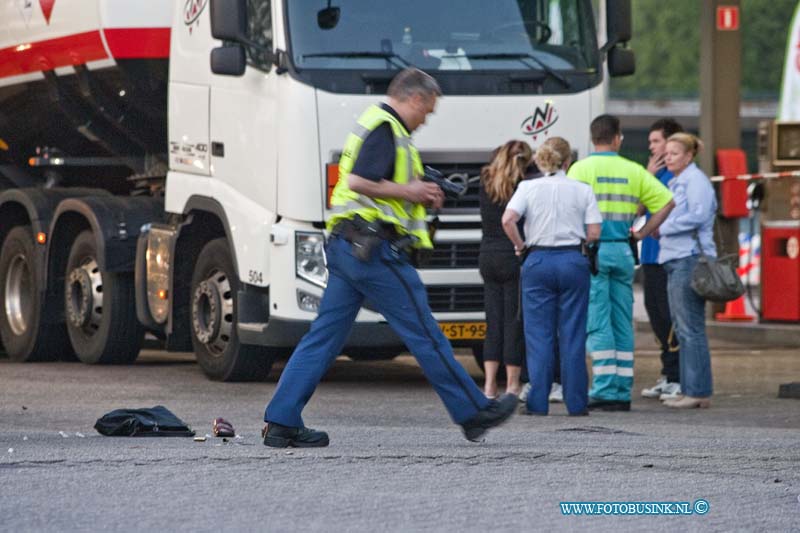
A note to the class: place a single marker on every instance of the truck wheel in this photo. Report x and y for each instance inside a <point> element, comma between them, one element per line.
<point>213,313</point>
<point>25,337</point>
<point>99,307</point>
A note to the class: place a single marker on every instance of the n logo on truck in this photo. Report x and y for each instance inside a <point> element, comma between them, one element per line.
<point>540,121</point>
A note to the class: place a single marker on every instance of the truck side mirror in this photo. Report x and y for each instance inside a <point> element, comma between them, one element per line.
<point>229,20</point>
<point>618,21</point>
<point>621,62</point>
<point>228,60</point>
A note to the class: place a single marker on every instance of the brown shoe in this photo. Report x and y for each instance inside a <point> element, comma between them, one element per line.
<point>689,402</point>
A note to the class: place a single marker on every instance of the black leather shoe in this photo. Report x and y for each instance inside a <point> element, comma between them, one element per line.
<point>494,414</point>
<point>608,405</point>
<point>278,436</point>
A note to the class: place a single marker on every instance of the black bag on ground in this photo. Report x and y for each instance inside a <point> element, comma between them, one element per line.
<point>156,421</point>
<point>716,279</point>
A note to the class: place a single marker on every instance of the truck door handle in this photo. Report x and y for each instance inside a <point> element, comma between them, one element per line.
<point>217,149</point>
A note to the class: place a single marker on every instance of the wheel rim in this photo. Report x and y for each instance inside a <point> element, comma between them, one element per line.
<point>212,313</point>
<point>85,297</point>
<point>19,294</point>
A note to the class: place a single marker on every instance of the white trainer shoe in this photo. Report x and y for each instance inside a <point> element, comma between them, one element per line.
<point>656,390</point>
<point>556,394</point>
<point>671,391</point>
<point>523,394</point>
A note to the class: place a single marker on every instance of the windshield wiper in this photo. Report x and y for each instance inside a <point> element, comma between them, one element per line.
<point>521,57</point>
<point>388,56</point>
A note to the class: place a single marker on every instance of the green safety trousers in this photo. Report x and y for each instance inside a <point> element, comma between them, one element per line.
<point>609,327</point>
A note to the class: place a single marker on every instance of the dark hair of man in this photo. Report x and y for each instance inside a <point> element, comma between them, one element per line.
<point>413,81</point>
<point>604,128</point>
<point>667,126</point>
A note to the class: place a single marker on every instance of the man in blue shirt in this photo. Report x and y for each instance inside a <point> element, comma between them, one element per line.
<point>655,278</point>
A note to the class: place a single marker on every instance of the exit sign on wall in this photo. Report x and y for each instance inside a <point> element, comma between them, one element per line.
<point>727,18</point>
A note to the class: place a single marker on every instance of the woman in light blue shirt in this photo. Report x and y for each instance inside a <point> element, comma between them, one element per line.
<point>688,227</point>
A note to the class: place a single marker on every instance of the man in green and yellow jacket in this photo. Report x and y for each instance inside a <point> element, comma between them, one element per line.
<point>619,185</point>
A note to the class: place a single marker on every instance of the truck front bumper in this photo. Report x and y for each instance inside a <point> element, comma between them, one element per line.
<point>280,332</point>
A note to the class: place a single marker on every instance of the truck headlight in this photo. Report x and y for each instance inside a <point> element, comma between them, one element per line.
<point>309,255</point>
<point>158,263</point>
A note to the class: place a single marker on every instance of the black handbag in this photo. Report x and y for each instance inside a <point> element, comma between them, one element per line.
<point>156,421</point>
<point>716,279</point>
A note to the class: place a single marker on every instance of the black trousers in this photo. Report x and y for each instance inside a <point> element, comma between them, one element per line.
<point>657,305</point>
<point>504,338</point>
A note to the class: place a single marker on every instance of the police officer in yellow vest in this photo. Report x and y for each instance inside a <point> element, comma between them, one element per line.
<point>379,211</point>
<point>619,185</point>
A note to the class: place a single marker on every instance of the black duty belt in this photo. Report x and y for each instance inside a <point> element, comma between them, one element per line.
<point>348,229</point>
<point>571,247</point>
<point>365,237</point>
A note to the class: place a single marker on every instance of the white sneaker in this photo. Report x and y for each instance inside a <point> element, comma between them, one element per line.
<point>671,391</point>
<point>556,394</point>
<point>523,394</point>
<point>655,391</point>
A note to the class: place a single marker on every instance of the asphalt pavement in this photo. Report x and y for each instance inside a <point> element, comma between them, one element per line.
<point>395,462</point>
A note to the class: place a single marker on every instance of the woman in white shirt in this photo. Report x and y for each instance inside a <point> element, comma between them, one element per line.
<point>560,215</point>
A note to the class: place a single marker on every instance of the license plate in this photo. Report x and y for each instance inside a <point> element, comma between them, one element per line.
<point>463,330</point>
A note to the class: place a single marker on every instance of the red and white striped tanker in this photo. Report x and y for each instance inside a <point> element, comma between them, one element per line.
<point>84,78</point>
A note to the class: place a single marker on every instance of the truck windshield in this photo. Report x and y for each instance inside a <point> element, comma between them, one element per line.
<point>441,35</point>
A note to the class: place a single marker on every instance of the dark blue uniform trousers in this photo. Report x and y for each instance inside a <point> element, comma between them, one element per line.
<point>555,300</point>
<point>394,288</point>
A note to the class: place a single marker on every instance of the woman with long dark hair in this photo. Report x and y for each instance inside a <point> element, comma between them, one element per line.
<point>499,267</point>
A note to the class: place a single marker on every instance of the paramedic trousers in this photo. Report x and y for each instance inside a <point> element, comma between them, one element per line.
<point>610,324</point>
<point>394,288</point>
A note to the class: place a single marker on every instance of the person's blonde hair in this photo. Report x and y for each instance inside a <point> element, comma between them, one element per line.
<point>689,142</point>
<point>507,168</point>
<point>552,155</point>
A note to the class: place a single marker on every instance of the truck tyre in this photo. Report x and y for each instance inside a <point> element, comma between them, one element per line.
<point>99,308</point>
<point>219,353</point>
<point>25,337</point>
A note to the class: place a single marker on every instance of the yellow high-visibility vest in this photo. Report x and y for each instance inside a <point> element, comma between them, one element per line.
<point>407,217</point>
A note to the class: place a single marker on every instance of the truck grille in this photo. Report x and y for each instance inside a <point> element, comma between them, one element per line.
<point>461,298</point>
<point>452,255</point>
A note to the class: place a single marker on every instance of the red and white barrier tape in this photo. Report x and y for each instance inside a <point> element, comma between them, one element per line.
<point>764,176</point>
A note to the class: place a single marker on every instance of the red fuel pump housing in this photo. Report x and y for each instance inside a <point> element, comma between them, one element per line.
<point>780,270</point>
<point>732,162</point>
